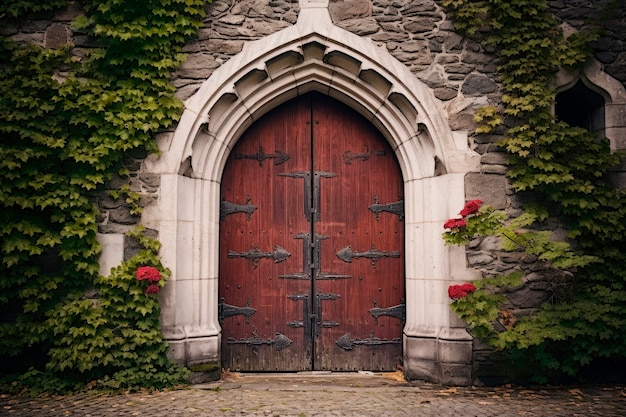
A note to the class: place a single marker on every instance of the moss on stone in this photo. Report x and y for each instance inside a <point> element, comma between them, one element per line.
<point>204,367</point>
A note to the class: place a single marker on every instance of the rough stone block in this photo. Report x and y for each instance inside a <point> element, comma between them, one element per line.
<point>360,27</point>
<point>176,352</point>
<point>421,348</point>
<point>493,169</point>
<point>202,350</point>
<point>455,374</point>
<point>477,85</point>
<point>112,252</point>
<point>528,298</point>
<point>205,372</point>
<point>420,370</point>
<point>618,179</point>
<point>455,352</point>
<point>349,9</point>
<point>57,35</point>
<point>494,158</point>
<point>490,188</point>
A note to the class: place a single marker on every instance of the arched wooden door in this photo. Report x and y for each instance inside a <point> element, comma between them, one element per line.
<point>311,244</point>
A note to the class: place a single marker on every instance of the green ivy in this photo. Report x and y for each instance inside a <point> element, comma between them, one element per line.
<point>111,340</point>
<point>484,308</point>
<point>67,122</point>
<point>14,9</point>
<point>567,166</point>
<point>114,340</point>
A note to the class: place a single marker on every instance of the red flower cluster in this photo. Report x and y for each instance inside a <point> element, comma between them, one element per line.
<point>471,207</point>
<point>153,289</point>
<point>456,292</point>
<point>150,274</point>
<point>454,223</point>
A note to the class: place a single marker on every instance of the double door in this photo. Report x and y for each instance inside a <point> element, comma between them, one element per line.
<point>311,244</point>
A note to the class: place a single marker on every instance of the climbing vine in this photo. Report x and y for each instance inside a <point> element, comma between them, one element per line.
<point>68,120</point>
<point>564,164</point>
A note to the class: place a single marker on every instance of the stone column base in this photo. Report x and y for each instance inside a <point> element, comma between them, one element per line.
<point>196,352</point>
<point>438,359</point>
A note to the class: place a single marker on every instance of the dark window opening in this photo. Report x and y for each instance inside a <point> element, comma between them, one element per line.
<point>580,106</point>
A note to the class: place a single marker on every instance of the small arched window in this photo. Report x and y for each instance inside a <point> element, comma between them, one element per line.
<point>580,106</point>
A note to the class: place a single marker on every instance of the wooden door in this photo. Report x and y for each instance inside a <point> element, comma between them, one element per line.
<point>311,244</point>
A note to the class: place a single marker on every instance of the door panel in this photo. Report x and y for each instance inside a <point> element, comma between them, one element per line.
<point>249,342</point>
<point>319,255</point>
<point>366,167</point>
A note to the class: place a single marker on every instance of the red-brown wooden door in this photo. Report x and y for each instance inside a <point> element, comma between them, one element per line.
<point>311,244</point>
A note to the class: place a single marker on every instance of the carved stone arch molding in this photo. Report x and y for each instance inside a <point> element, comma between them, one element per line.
<point>314,55</point>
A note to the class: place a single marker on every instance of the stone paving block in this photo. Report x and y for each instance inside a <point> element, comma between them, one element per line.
<point>329,395</point>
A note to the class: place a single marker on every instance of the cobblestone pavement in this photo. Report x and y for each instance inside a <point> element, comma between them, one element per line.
<point>325,395</point>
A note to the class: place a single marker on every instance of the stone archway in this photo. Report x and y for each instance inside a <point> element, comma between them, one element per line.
<point>314,55</point>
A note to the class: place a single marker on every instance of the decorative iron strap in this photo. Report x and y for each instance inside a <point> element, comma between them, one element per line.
<point>227,208</point>
<point>278,156</point>
<point>306,308</point>
<point>311,196</point>
<point>312,314</point>
<point>317,255</point>
<point>325,296</point>
<point>346,254</point>
<point>280,341</point>
<point>227,310</point>
<point>255,254</point>
<point>306,259</point>
<point>397,207</point>
<point>347,343</point>
<point>311,260</point>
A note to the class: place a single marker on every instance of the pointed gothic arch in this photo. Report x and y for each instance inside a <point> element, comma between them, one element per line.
<point>314,55</point>
<point>612,114</point>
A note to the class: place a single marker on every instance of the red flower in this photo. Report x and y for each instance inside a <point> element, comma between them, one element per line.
<point>153,289</point>
<point>468,288</point>
<point>454,223</point>
<point>456,292</point>
<point>471,207</point>
<point>149,273</point>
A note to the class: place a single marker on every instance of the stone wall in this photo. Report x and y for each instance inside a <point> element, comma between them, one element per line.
<point>610,17</point>
<point>418,33</point>
<point>228,25</point>
<point>461,73</point>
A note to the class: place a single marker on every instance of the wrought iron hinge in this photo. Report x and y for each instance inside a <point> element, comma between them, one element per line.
<point>226,310</point>
<point>397,208</point>
<point>227,208</point>
<point>346,254</point>
<point>279,157</point>
<point>397,311</point>
<point>347,343</point>
<point>255,254</point>
<point>280,342</point>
